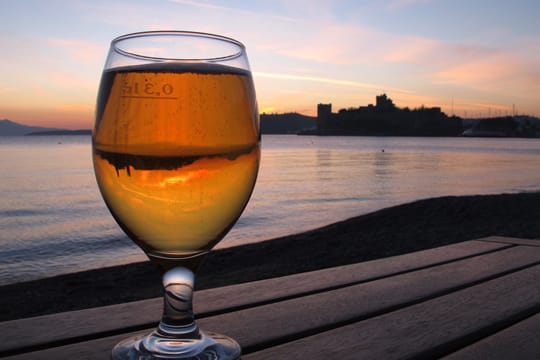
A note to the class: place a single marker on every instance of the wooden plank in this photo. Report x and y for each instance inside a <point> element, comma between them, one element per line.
<point>89,350</point>
<point>325,310</point>
<point>264,291</point>
<point>426,330</point>
<point>287,320</point>
<point>76,325</point>
<point>83,324</point>
<point>520,341</point>
<point>515,241</point>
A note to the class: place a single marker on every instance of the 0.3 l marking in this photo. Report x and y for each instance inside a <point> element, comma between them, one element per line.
<point>148,91</point>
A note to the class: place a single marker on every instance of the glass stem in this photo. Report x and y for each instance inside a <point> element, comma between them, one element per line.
<point>178,319</point>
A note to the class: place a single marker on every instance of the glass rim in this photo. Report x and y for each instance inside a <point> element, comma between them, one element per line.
<point>115,45</point>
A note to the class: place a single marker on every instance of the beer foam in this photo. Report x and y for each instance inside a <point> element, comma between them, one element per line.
<point>182,67</point>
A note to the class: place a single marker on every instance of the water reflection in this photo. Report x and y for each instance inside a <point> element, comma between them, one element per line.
<point>307,182</point>
<point>50,196</point>
<point>384,164</point>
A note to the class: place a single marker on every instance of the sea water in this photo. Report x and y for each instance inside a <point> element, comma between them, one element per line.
<point>53,220</point>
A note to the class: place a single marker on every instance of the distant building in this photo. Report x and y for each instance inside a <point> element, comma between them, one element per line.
<point>324,116</point>
<point>384,118</point>
<point>384,103</point>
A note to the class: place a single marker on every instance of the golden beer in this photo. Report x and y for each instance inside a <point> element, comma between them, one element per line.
<point>176,152</point>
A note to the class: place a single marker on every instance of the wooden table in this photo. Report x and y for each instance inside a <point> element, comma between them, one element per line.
<point>478,299</point>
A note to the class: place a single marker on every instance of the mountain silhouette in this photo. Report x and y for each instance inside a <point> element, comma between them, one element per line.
<point>289,123</point>
<point>11,128</point>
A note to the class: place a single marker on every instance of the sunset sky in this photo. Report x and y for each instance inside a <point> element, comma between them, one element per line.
<point>471,57</point>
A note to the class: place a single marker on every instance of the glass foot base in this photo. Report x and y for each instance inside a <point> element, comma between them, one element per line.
<point>153,346</point>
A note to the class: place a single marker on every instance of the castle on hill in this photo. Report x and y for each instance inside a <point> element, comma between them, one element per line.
<point>386,119</point>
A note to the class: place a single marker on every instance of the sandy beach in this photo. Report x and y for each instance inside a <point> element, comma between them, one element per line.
<point>396,230</point>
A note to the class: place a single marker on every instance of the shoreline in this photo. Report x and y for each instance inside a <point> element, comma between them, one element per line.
<point>391,231</point>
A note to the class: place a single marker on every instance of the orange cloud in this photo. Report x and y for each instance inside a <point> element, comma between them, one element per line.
<point>479,70</point>
<point>409,49</point>
<point>73,81</point>
<point>493,72</point>
<point>80,50</point>
<point>329,42</point>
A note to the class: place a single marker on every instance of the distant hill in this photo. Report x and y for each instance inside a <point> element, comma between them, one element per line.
<point>11,128</point>
<point>290,123</point>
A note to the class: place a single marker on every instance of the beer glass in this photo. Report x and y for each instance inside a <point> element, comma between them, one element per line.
<point>176,149</point>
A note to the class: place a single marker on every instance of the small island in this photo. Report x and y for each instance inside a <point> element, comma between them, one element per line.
<point>61,132</point>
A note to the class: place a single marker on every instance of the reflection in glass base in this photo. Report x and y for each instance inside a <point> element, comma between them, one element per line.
<point>154,346</point>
